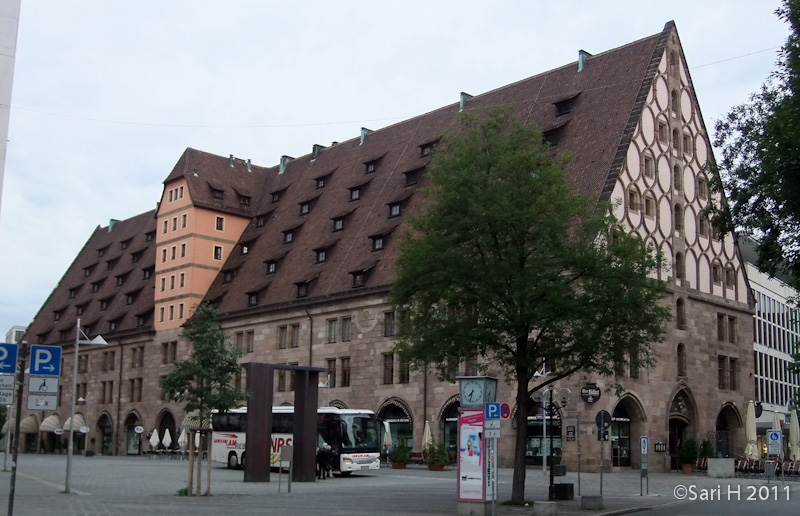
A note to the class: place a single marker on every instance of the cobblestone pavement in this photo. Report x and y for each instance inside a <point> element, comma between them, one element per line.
<point>138,485</point>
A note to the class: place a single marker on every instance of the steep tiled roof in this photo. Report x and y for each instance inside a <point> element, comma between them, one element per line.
<point>586,113</point>
<point>107,281</point>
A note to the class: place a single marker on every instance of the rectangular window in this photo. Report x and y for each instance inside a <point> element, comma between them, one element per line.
<point>249,340</point>
<point>282,333</point>
<point>471,368</point>
<point>377,243</point>
<point>388,368</point>
<point>720,327</point>
<point>220,224</point>
<point>721,372</point>
<point>164,255</point>
<point>83,363</point>
<point>295,336</point>
<point>171,312</point>
<point>331,372</point>
<point>332,330</point>
<point>355,194</point>
<point>165,227</point>
<point>183,250</point>
<point>281,381</point>
<point>182,280</point>
<point>388,324</point>
<point>184,220</point>
<point>174,223</point>
<point>345,372</point>
<point>238,341</point>
<point>649,167</point>
<point>338,224</point>
<point>394,210</point>
<point>662,133</point>
<point>161,314</point>
<point>346,325</point>
<point>731,329</point>
<point>404,373</point>
<point>291,377</point>
<point>172,282</point>
<point>732,374</point>
<point>217,252</point>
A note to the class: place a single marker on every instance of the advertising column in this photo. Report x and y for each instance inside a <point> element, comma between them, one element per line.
<point>471,457</point>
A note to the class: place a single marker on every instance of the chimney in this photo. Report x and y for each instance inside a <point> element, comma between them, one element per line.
<point>463,102</point>
<point>111,224</point>
<point>249,166</point>
<point>582,57</point>
<point>364,133</point>
<point>284,161</point>
<point>230,160</point>
<point>315,150</point>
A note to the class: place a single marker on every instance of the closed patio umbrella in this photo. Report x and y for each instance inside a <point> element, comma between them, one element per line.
<point>183,440</point>
<point>751,450</point>
<point>427,438</point>
<point>387,437</point>
<point>794,437</point>
<point>154,439</point>
<point>167,440</point>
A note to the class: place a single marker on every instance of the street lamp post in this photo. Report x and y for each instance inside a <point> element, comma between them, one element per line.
<point>97,341</point>
<point>564,394</point>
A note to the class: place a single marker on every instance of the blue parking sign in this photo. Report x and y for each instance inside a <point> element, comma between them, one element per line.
<point>45,360</point>
<point>492,410</point>
<point>8,357</point>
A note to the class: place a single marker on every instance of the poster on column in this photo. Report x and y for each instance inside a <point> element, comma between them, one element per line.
<point>470,456</point>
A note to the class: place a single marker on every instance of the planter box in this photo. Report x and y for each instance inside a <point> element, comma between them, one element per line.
<point>562,492</point>
<point>398,465</point>
<point>436,467</point>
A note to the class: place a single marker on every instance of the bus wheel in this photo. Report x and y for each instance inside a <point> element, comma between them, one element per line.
<point>233,462</point>
<point>345,473</point>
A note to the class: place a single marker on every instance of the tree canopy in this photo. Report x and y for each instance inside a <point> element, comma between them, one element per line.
<point>204,380</point>
<point>509,265</point>
<point>760,166</point>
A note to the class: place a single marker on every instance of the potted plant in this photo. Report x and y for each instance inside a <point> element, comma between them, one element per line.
<point>400,455</point>
<point>437,457</point>
<point>706,449</point>
<point>688,454</point>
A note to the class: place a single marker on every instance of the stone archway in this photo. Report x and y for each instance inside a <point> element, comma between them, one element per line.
<point>396,412</point>
<point>106,435</point>
<point>627,423</point>
<point>448,425</point>
<point>682,418</point>
<point>166,423</point>
<point>133,439</point>
<point>727,430</point>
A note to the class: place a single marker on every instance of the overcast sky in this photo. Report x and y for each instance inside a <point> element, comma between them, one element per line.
<point>107,95</point>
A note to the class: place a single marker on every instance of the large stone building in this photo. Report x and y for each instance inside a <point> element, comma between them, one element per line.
<point>300,257</point>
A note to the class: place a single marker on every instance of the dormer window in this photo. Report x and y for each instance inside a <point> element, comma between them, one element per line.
<point>304,208</point>
<point>288,236</point>
<point>322,255</point>
<point>95,286</point>
<point>57,314</point>
<point>338,224</point>
<point>147,273</point>
<point>277,194</point>
<point>272,267</point>
<point>111,263</point>
<point>149,236</point>
<point>79,310</point>
<point>244,200</point>
<point>228,276</point>
<point>394,210</point>
<point>302,289</point>
<point>261,220</point>
<point>102,251</point>
<point>125,243</point>
<point>371,166</point>
<point>426,149</point>
<point>217,194</point>
<point>72,293</point>
<point>87,271</point>
<point>136,256</point>
<point>377,242</point>
<point>380,238</point>
<point>129,298</point>
<point>252,299</point>
<point>103,304</point>
<point>112,325</point>
<point>355,194</point>
<point>121,279</point>
<point>362,272</point>
<point>396,204</point>
<point>412,176</point>
<point>273,262</point>
<point>321,181</point>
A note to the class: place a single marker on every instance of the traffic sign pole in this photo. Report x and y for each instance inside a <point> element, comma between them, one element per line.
<point>22,358</point>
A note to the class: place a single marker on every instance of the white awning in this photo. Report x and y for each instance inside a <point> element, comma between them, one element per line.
<point>50,423</point>
<point>79,422</point>
<point>192,422</point>
<point>29,425</point>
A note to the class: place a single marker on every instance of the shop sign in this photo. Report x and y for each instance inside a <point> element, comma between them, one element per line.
<point>590,393</point>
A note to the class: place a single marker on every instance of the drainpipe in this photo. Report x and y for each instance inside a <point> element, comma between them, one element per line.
<point>119,395</point>
<point>310,338</point>
<point>425,393</point>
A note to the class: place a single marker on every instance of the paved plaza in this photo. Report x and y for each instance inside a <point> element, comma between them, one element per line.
<point>139,485</point>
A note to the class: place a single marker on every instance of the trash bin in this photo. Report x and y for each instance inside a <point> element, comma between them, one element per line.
<point>565,491</point>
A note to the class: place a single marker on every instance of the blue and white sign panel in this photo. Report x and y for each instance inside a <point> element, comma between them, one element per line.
<point>492,410</point>
<point>45,360</point>
<point>774,442</point>
<point>8,358</point>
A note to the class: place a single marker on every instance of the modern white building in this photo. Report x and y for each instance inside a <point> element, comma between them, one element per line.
<point>775,338</point>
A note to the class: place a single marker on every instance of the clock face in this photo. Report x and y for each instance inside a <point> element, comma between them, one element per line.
<point>491,395</point>
<point>472,392</point>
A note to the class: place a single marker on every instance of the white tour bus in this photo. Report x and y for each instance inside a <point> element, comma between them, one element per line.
<point>352,434</point>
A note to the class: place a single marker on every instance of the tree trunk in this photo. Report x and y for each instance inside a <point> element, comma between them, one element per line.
<point>191,463</point>
<point>199,468</point>
<point>208,464</point>
<point>520,443</point>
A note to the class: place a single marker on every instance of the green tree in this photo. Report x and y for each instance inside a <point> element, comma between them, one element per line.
<point>508,264</point>
<point>204,380</point>
<point>760,168</point>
